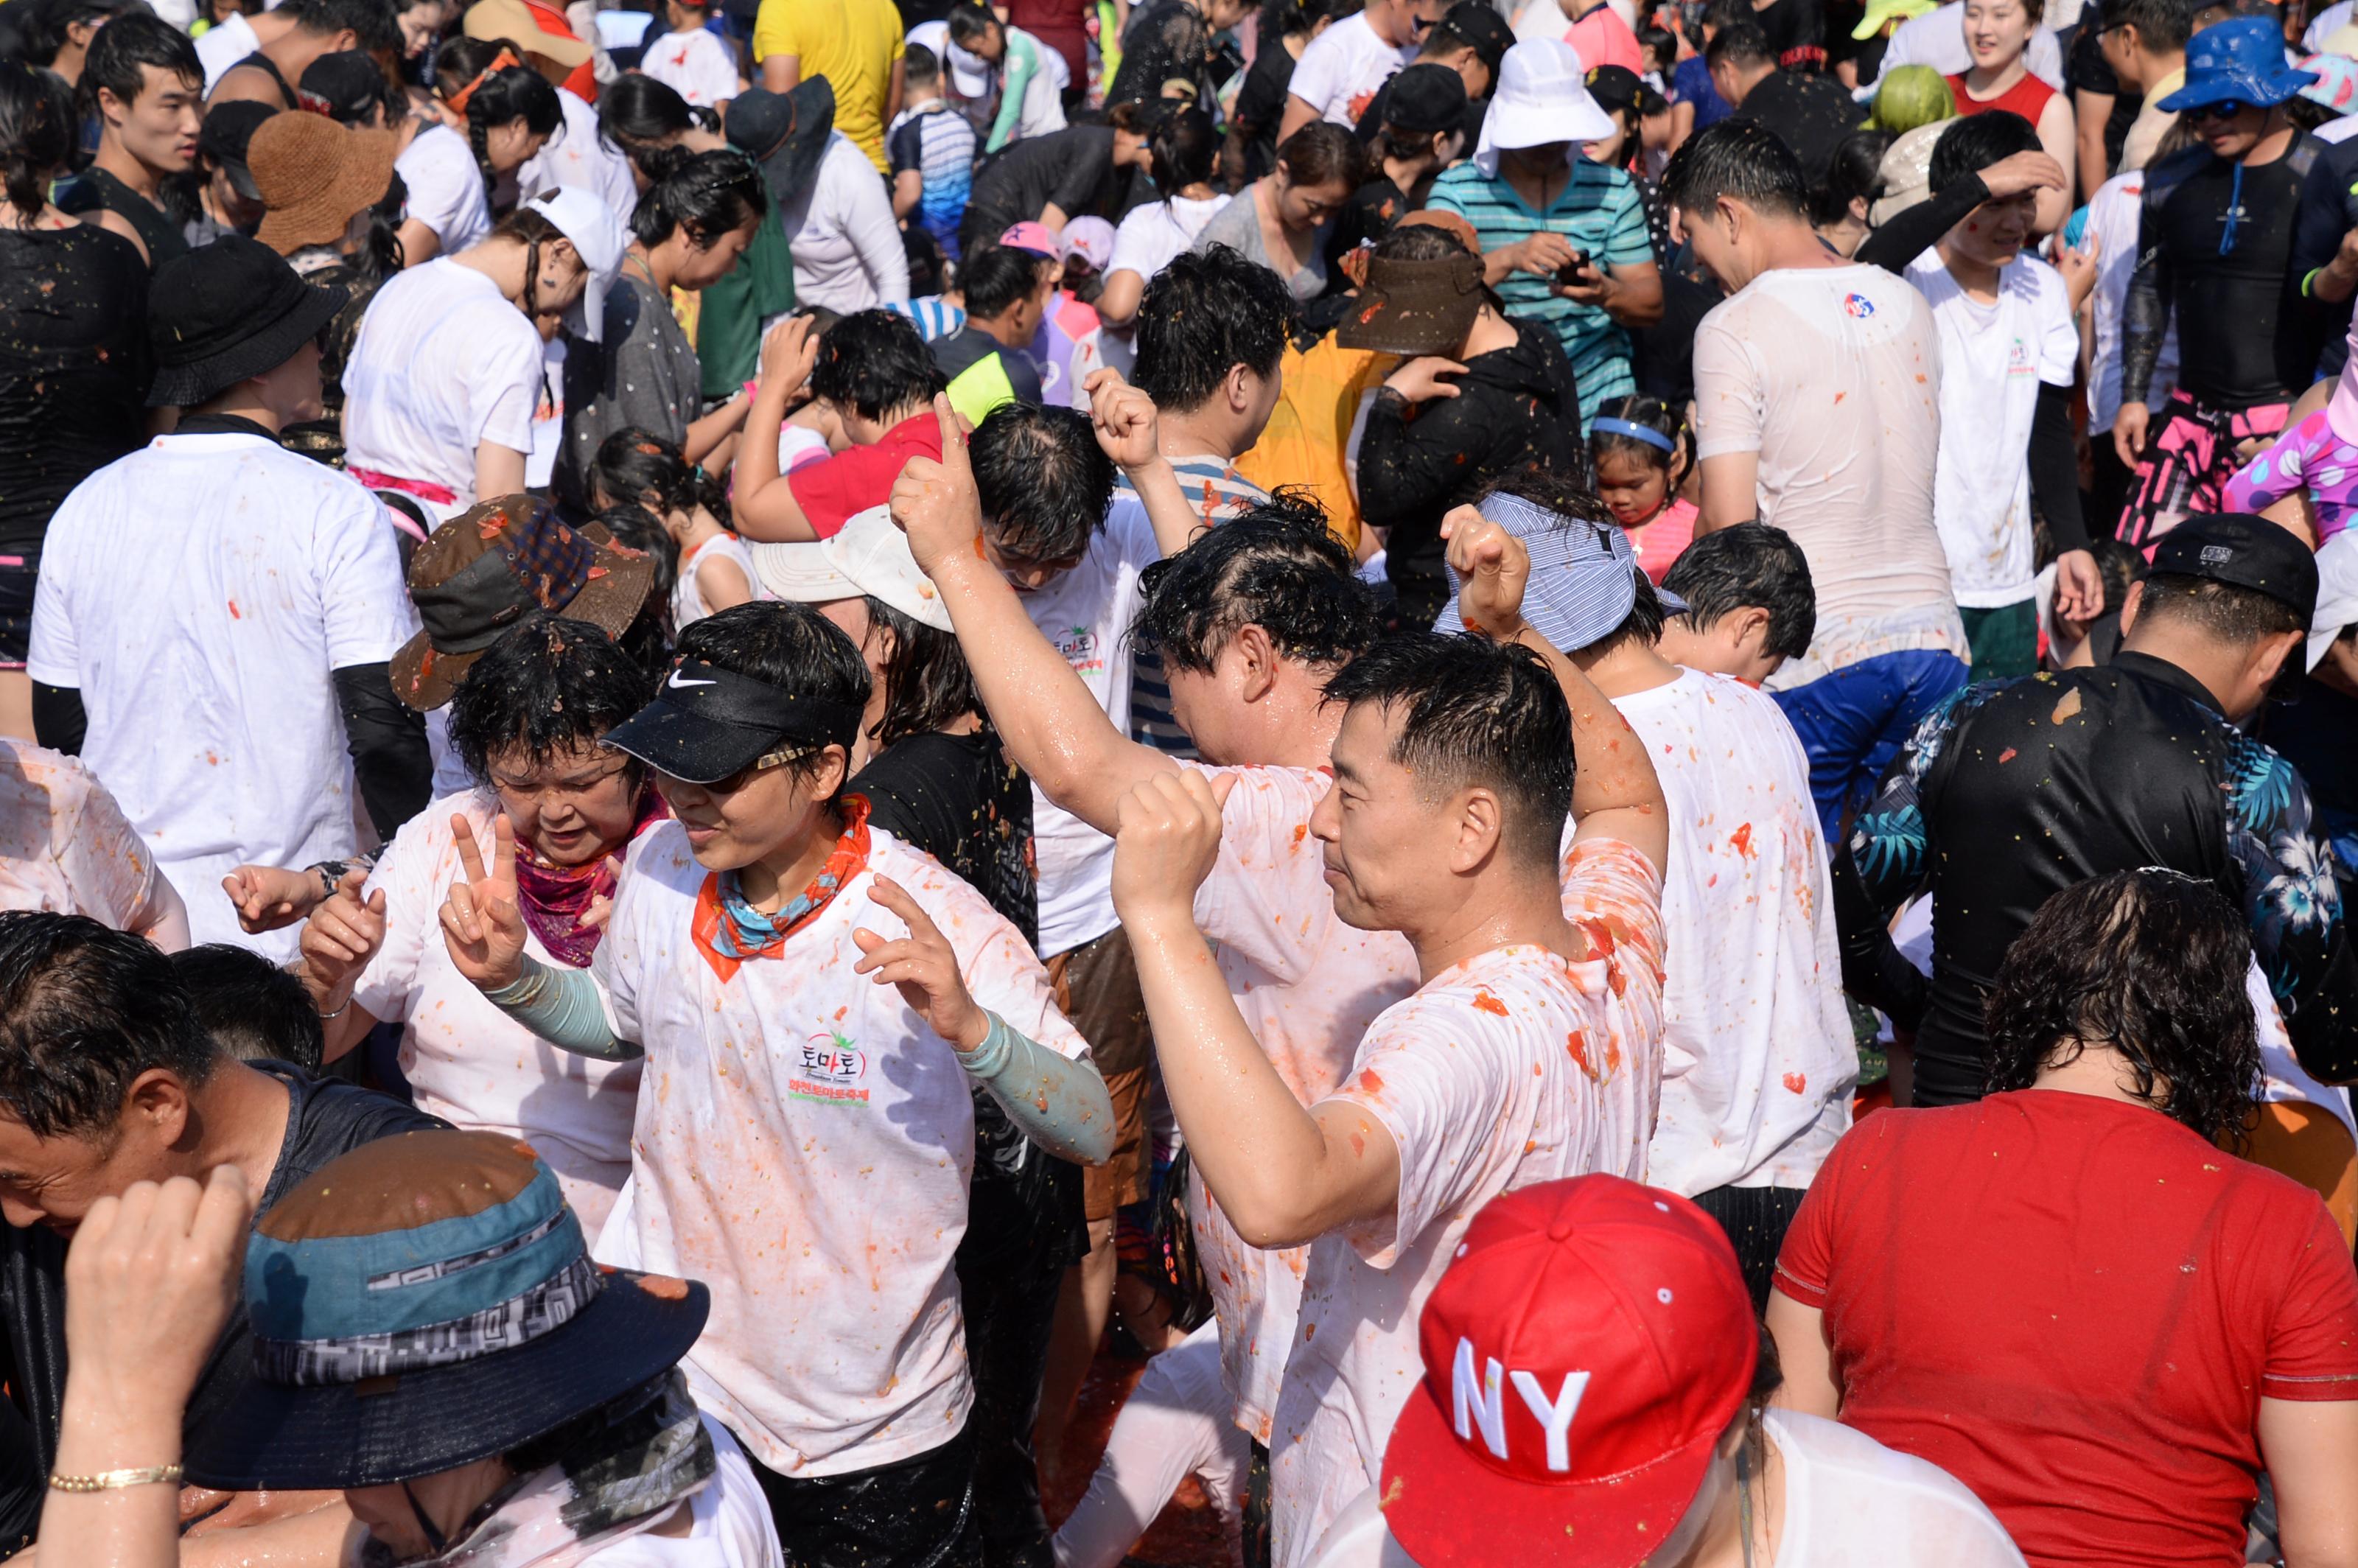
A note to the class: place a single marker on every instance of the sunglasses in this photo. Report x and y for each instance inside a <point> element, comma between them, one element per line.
<point>2226,111</point>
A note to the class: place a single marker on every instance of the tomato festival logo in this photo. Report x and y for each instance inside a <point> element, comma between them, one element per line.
<point>832,1068</point>
<point>1857,306</point>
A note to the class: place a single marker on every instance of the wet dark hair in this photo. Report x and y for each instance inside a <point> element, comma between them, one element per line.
<point>255,1011</point>
<point>969,24</point>
<point>549,686</point>
<point>787,645</point>
<point>632,462</point>
<point>1185,149</point>
<point>1739,43</point>
<point>920,67</point>
<point>1045,482</point>
<point>2238,616</point>
<point>513,92</point>
<point>84,1011</point>
<point>1855,173</point>
<point>1475,712</point>
<point>2151,963</point>
<point>1203,314</point>
<point>1654,415</point>
<point>708,194</point>
<point>2163,26</point>
<point>1749,565</point>
<point>374,31</point>
<point>1430,241</point>
<point>1324,154</point>
<point>928,686</point>
<point>130,39</point>
<point>873,361</point>
<point>379,255</point>
<point>1276,566</point>
<point>1741,159</point>
<point>648,639</point>
<point>531,228</point>
<point>997,277</point>
<point>637,116</point>
<point>41,29</point>
<point>37,135</point>
<point>1973,142</point>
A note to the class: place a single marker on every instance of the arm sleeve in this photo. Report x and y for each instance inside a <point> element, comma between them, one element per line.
<point>387,741</point>
<point>1022,61</point>
<point>2055,468</point>
<point>1407,464</point>
<point>2145,314</point>
<point>1910,234</point>
<point>1061,1104</point>
<point>2294,910</point>
<point>1873,967</point>
<point>563,1007</point>
<point>59,720</point>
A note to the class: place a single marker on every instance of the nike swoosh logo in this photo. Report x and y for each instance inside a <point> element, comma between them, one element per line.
<point>677,682</point>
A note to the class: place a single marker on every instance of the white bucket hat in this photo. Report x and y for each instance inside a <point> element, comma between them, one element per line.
<point>869,556</point>
<point>1541,98</point>
<point>597,235</point>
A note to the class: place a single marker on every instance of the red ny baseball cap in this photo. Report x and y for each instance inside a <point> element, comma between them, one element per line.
<point>1589,1344</point>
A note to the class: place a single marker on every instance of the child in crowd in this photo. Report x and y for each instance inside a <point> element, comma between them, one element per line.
<point>690,58</point>
<point>714,571</point>
<point>1644,454</point>
<point>2316,457</point>
<point>932,150</point>
<point>1750,603</point>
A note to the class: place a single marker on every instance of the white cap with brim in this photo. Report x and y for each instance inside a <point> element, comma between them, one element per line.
<point>869,555</point>
<point>2337,594</point>
<point>599,238</point>
<point>1542,98</point>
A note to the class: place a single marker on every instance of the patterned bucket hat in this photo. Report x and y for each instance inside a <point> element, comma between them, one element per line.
<point>422,1303</point>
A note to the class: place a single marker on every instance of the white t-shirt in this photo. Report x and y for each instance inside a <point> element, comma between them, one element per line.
<point>2115,215</point>
<point>1993,359</point>
<point>1309,988</point>
<point>802,1145</point>
<point>1833,375</point>
<point>1510,1068</point>
<point>1338,74</point>
<point>577,156</point>
<point>694,64</point>
<point>1757,1057</point>
<point>224,44</point>
<point>1151,235</point>
<point>1849,1503</point>
<point>845,241</point>
<point>445,188</point>
<point>1086,613</point>
<point>198,593</point>
<point>688,601</point>
<point>466,1061</point>
<point>65,845</point>
<point>732,1527</point>
<point>443,363</point>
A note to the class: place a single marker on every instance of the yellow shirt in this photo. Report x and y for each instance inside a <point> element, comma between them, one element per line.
<point>853,44</point>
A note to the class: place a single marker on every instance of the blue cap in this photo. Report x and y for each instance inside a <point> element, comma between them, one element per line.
<point>1584,575</point>
<point>2240,61</point>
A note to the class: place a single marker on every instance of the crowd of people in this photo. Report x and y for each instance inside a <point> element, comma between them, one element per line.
<point>1597,759</point>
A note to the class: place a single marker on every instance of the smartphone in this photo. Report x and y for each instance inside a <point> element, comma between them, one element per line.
<point>1568,274</point>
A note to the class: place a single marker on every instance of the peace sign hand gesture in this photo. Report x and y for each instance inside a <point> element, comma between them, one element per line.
<point>482,923</point>
<point>924,967</point>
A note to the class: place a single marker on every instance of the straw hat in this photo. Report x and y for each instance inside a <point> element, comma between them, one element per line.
<point>313,174</point>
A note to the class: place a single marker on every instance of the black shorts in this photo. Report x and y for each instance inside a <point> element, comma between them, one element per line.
<point>915,1513</point>
<point>18,575</point>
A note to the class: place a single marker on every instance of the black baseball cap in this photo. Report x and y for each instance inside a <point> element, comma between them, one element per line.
<point>708,724</point>
<point>1425,99</point>
<point>347,86</point>
<point>1619,87</point>
<point>228,130</point>
<point>1479,24</point>
<point>2242,551</point>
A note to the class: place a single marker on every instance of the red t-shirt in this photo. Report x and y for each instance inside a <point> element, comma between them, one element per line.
<point>857,478</point>
<point>2074,1305</point>
<point>2026,98</point>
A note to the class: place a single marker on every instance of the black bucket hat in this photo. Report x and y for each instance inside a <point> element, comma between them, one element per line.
<point>227,311</point>
<point>708,724</point>
<point>785,132</point>
<point>422,1303</point>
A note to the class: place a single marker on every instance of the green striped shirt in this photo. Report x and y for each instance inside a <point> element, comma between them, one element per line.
<point>1600,212</point>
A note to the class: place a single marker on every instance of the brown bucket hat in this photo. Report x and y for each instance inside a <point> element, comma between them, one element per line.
<point>1414,307</point>
<point>313,174</point>
<point>496,564</point>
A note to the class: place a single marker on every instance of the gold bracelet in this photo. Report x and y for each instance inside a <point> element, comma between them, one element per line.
<point>109,1480</point>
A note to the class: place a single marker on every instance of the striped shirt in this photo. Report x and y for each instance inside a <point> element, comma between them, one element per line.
<point>1600,212</point>
<point>1218,492</point>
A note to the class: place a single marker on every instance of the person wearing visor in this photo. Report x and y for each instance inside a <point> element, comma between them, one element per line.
<point>1597,1394</point>
<point>447,369</point>
<point>816,998</point>
<point>431,1339</point>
